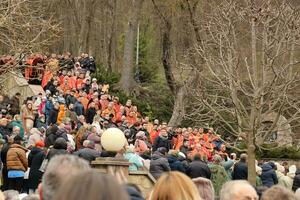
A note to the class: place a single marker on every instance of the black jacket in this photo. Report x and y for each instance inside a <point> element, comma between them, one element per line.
<point>240,171</point>
<point>161,142</point>
<point>296,183</point>
<point>78,108</point>
<point>52,116</point>
<point>87,154</point>
<point>35,160</point>
<point>89,116</point>
<point>70,100</point>
<point>175,164</point>
<point>59,147</point>
<point>158,165</point>
<point>198,168</point>
<point>14,105</point>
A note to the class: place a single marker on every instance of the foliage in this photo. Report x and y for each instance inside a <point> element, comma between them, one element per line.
<point>289,152</point>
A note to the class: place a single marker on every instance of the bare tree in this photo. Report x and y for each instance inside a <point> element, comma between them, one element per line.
<point>251,72</point>
<point>24,26</point>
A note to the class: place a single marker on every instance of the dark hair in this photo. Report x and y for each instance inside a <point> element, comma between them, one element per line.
<point>197,156</point>
<point>91,185</point>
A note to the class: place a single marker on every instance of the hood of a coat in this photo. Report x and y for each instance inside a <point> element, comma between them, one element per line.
<point>172,159</point>
<point>60,143</point>
<point>35,150</point>
<point>18,146</point>
<point>266,167</point>
<point>157,155</point>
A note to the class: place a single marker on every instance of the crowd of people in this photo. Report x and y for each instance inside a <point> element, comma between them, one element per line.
<point>58,133</point>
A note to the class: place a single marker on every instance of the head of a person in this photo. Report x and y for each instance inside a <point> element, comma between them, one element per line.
<point>278,193</point>
<point>18,139</point>
<point>16,130</point>
<point>10,194</point>
<point>60,143</point>
<point>297,193</point>
<point>243,157</point>
<point>163,132</point>
<point>205,188</point>
<point>238,190</point>
<point>197,156</point>
<point>29,105</point>
<point>182,188</point>
<point>18,95</point>
<point>90,185</point>
<point>60,167</point>
<point>128,103</point>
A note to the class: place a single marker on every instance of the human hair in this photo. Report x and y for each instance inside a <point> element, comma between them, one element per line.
<point>11,195</point>
<point>182,188</point>
<point>91,185</point>
<point>243,157</point>
<point>230,188</point>
<point>278,192</point>
<point>59,168</point>
<point>205,188</point>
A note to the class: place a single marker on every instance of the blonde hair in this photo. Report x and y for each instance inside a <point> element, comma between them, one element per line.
<point>182,188</point>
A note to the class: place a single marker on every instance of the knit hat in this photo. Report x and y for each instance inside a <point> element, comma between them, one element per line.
<point>40,144</point>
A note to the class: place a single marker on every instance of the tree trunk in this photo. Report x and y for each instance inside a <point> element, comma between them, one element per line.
<point>251,164</point>
<point>179,108</point>
<point>127,82</point>
<point>112,37</point>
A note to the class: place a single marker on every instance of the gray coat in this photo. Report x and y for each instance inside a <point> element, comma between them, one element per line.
<point>158,165</point>
<point>87,154</point>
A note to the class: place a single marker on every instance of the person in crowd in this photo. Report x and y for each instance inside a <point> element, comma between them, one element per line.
<point>35,135</point>
<point>91,185</point>
<point>218,174</point>
<point>268,175</point>
<point>141,146</point>
<point>133,158</point>
<point>134,192</point>
<point>3,155</point>
<point>59,148</point>
<point>17,164</point>
<point>28,117</point>
<point>162,141</point>
<point>57,171</point>
<point>238,190</point>
<point>174,162</point>
<point>90,113</point>
<point>205,188</point>
<point>53,114</point>
<point>35,160</point>
<point>61,114</point>
<point>78,107</point>
<point>88,152</point>
<point>198,168</point>
<point>159,163</point>
<point>182,188</point>
<point>283,180</point>
<point>296,182</point>
<point>240,170</point>
<point>278,193</point>
<point>17,121</point>
<point>297,194</point>
<point>15,104</point>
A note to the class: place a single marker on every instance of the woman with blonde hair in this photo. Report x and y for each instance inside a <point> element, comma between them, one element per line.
<point>182,188</point>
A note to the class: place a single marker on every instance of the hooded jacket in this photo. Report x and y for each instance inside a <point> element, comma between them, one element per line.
<point>268,175</point>
<point>175,164</point>
<point>198,168</point>
<point>59,147</point>
<point>296,183</point>
<point>158,165</point>
<point>16,158</point>
<point>88,154</point>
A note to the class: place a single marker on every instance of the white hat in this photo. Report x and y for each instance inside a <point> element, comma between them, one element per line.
<point>94,79</point>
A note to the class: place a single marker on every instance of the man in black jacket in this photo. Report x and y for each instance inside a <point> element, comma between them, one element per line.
<point>53,115</point>
<point>296,183</point>
<point>240,171</point>
<point>90,113</point>
<point>162,141</point>
<point>198,168</point>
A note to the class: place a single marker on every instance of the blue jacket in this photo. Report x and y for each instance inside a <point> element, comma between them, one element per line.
<point>48,107</point>
<point>268,176</point>
<point>175,164</point>
<point>78,108</point>
<point>135,160</point>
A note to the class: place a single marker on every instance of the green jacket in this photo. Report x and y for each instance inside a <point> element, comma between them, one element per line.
<point>218,178</point>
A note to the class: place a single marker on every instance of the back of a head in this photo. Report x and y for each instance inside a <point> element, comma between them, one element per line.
<point>91,185</point>
<point>182,188</point>
<point>243,157</point>
<point>61,167</point>
<point>11,195</point>
<point>233,189</point>
<point>278,193</point>
<point>205,188</point>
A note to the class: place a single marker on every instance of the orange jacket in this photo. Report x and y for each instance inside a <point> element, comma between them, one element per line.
<point>61,114</point>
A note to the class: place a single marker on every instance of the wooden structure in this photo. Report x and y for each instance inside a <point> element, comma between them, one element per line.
<point>119,168</point>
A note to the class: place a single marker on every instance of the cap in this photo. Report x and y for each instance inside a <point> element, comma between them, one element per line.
<point>94,79</point>
<point>40,144</point>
